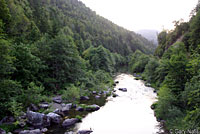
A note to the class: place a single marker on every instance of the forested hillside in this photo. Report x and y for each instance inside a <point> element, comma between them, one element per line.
<point>31,19</point>
<point>58,47</point>
<point>175,72</point>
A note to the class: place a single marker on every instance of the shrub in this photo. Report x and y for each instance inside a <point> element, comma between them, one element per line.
<point>71,93</point>
<point>33,94</point>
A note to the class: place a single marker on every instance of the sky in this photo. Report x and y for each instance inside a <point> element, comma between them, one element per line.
<point>136,15</point>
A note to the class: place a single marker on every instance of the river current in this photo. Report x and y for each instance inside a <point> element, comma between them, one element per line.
<point>129,113</point>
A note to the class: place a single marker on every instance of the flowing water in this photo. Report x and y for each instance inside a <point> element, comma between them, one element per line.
<point>129,113</point>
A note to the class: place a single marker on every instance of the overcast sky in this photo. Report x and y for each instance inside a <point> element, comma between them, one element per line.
<point>143,14</point>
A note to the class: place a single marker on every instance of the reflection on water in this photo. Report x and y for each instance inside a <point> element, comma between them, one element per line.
<point>129,113</point>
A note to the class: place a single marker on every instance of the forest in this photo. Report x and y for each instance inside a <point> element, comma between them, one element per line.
<point>174,71</point>
<point>53,47</point>
<point>61,47</point>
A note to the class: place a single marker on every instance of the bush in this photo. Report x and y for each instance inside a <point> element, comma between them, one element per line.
<point>150,70</point>
<point>33,94</point>
<point>78,117</point>
<point>15,108</point>
<point>71,93</point>
<point>138,62</point>
<point>10,92</point>
<point>164,104</point>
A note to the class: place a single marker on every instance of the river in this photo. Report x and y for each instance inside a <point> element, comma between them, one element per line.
<point>129,113</point>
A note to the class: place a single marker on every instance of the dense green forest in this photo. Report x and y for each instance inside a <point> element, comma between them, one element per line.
<point>57,47</point>
<point>174,71</point>
<point>61,47</point>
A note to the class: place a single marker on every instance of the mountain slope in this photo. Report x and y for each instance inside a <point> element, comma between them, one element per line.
<point>52,15</point>
<point>58,47</point>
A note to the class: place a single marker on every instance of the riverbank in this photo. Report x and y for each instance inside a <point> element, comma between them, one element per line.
<point>128,113</point>
<point>43,117</point>
<point>116,110</point>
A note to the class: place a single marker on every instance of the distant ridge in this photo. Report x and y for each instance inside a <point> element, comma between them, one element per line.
<point>149,34</point>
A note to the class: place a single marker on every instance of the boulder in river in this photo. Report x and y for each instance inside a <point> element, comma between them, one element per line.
<point>136,75</point>
<point>97,97</point>
<point>22,123</point>
<point>2,131</point>
<point>114,95</point>
<point>44,130</point>
<point>116,82</point>
<point>44,105</point>
<point>69,105</point>
<point>147,84</point>
<point>123,89</point>
<point>93,107</point>
<point>55,118</point>
<point>106,93</point>
<point>69,132</point>
<point>17,131</point>
<point>38,119</point>
<point>84,132</point>
<point>7,120</point>
<point>57,99</point>
<point>69,122</point>
<point>65,110</point>
<point>36,131</point>
<point>84,98</point>
<point>94,92</point>
<point>33,107</point>
<point>79,109</point>
<point>59,112</point>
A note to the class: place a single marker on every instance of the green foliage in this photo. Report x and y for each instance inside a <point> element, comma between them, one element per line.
<point>46,111</point>
<point>71,93</point>
<point>32,19</point>
<point>32,94</point>
<point>178,71</point>
<point>6,60</point>
<point>191,92</point>
<point>78,117</point>
<point>176,74</point>
<point>9,127</point>
<point>51,46</point>
<point>1,27</point>
<point>5,14</point>
<point>194,63</point>
<point>28,66</point>
<point>64,62</point>
<point>102,80</point>
<point>10,92</point>
<point>150,70</point>
<point>166,39</point>
<point>99,58</point>
<point>15,108</point>
<point>97,81</point>
<point>191,96</point>
<point>62,59</point>
<point>193,119</point>
<point>195,29</point>
<point>138,62</point>
<point>166,98</point>
<point>161,41</point>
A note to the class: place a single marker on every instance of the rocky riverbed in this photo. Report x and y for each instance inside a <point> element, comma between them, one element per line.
<point>124,109</point>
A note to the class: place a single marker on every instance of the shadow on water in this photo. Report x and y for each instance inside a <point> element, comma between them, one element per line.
<point>58,129</point>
